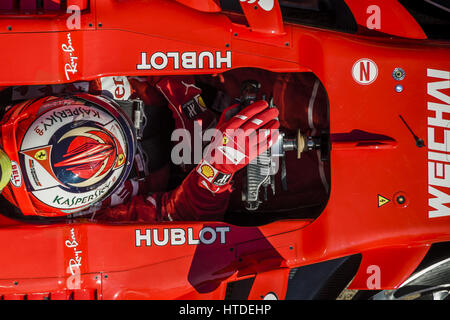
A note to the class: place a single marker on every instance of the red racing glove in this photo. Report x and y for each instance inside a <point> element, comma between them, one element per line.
<point>185,102</point>
<point>236,142</point>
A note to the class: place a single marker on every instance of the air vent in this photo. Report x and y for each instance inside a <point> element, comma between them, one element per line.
<point>239,290</point>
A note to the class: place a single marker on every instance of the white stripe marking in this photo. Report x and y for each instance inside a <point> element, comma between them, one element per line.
<point>240,116</point>
<point>311,105</point>
<point>312,100</point>
<point>438,5</point>
<point>151,200</point>
<point>257,121</point>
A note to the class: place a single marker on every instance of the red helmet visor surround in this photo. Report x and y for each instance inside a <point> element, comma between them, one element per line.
<point>67,153</point>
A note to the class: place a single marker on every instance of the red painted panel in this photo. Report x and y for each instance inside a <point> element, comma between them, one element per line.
<point>387,267</point>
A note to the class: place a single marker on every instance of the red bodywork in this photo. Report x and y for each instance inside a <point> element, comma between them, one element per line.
<point>36,259</point>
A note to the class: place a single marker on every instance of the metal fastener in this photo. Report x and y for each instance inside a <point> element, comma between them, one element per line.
<point>401,199</point>
<point>398,74</point>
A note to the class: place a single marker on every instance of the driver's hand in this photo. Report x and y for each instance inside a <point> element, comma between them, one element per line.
<point>237,142</point>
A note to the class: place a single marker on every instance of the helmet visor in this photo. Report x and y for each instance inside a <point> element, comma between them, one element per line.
<point>5,170</point>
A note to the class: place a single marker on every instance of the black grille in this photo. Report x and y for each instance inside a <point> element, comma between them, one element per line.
<point>239,290</point>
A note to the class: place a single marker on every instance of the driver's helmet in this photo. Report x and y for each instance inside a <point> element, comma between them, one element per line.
<point>67,153</point>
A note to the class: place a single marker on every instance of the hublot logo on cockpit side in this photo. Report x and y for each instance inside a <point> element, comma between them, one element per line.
<point>185,60</point>
<point>180,236</point>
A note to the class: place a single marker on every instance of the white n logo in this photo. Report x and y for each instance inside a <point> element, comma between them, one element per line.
<point>364,71</point>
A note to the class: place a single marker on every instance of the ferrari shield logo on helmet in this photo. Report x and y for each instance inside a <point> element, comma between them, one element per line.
<point>40,155</point>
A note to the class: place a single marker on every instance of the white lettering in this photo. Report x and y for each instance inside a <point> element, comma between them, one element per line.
<point>210,57</point>
<point>143,65</point>
<point>188,60</point>
<point>178,236</point>
<point>165,237</point>
<point>220,60</point>
<point>251,309</point>
<point>74,267</point>
<point>68,49</point>
<point>434,178</point>
<point>191,310</point>
<point>164,61</point>
<point>434,87</point>
<point>191,239</point>
<point>222,231</point>
<point>438,203</point>
<point>438,152</point>
<point>209,230</point>
<point>146,238</point>
<point>439,109</point>
<point>438,146</point>
<point>176,59</point>
<point>437,156</point>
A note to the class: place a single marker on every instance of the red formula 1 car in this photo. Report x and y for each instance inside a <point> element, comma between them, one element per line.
<point>360,196</point>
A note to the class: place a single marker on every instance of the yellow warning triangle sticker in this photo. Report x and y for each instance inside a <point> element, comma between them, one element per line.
<point>382,200</point>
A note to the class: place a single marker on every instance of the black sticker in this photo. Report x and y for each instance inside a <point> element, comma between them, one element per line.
<point>192,109</point>
<point>221,179</point>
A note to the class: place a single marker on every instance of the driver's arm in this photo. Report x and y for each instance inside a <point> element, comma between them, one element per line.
<point>205,192</point>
